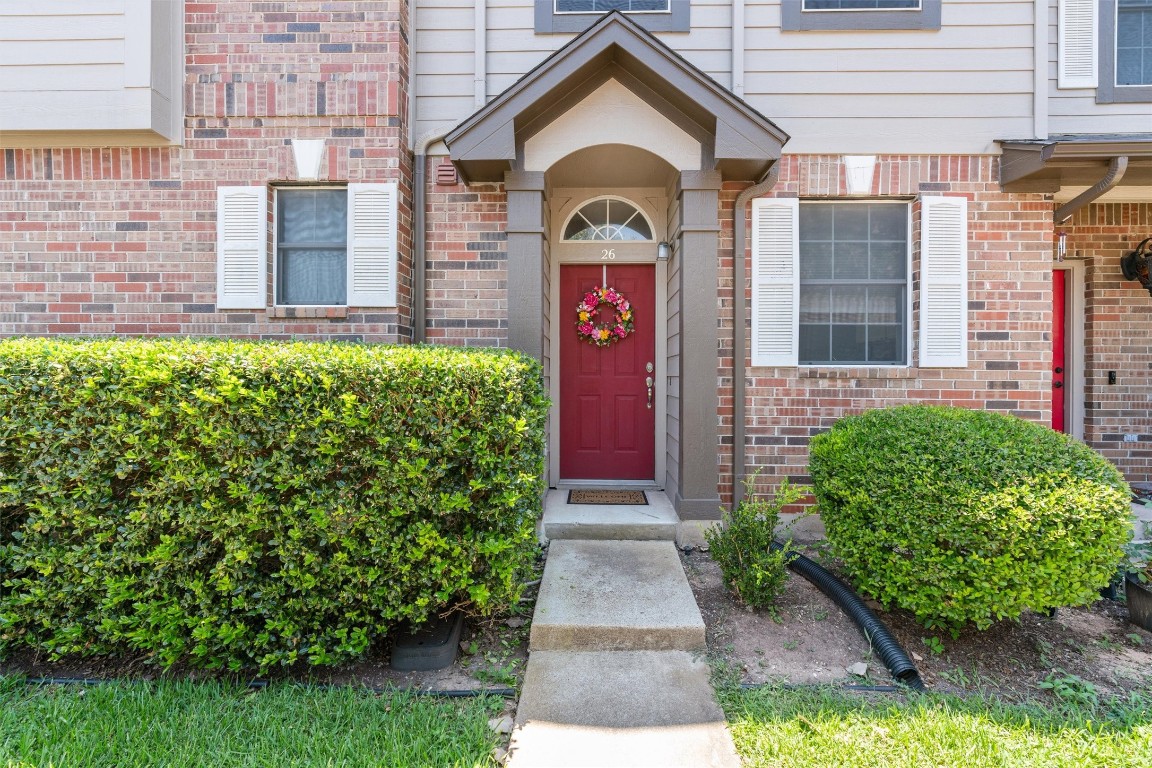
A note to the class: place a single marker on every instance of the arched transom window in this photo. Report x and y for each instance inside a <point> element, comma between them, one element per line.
<point>608,218</point>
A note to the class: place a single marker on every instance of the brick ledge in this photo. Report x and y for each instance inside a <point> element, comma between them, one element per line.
<point>308,313</point>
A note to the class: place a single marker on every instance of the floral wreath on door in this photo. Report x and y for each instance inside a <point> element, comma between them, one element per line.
<point>604,334</point>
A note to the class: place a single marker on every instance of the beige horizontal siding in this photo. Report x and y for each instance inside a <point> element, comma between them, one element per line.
<point>91,66</point>
<point>955,90</point>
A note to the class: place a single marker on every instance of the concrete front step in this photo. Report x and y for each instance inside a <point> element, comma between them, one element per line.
<point>655,521</point>
<point>631,709</point>
<point>615,595</point>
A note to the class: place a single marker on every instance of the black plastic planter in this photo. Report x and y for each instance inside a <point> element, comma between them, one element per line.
<point>1139,602</point>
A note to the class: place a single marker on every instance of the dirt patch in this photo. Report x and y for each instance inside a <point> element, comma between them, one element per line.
<point>808,639</point>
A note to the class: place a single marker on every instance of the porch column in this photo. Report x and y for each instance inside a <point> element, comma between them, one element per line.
<point>697,497</point>
<point>527,278</point>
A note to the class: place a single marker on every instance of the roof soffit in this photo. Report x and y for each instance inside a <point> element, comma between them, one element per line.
<point>1063,161</point>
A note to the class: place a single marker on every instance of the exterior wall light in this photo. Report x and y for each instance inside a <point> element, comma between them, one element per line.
<point>663,252</point>
<point>1136,264</point>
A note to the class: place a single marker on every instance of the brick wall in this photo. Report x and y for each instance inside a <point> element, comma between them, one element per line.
<point>123,240</point>
<point>1009,291</point>
<point>467,267</point>
<point>1118,334</point>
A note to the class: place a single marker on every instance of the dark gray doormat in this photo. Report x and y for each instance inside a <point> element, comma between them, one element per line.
<point>607,497</point>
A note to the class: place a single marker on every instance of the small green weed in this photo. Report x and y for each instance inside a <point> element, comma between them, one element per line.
<point>1135,638</point>
<point>934,644</point>
<point>1071,689</point>
<point>1044,648</point>
<point>958,677</point>
<point>498,671</point>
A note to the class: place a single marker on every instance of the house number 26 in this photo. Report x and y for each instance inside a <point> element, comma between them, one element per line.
<point>607,254</point>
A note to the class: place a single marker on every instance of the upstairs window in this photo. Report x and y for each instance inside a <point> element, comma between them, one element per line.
<point>861,5</point>
<point>805,15</point>
<point>604,6</point>
<point>563,16</point>
<point>1133,42</point>
<point>1106,45</point>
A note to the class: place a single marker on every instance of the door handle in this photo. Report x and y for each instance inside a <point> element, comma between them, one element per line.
<point>648,383</point>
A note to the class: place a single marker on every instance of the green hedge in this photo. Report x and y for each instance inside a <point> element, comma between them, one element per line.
<point>248,505</point>
<point>962,516</point>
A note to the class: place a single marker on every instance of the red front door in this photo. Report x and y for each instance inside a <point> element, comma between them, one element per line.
<point>1059,364</point>
<point>607,415</point>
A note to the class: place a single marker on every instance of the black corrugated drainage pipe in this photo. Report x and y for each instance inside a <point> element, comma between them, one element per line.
<point>882,641</point>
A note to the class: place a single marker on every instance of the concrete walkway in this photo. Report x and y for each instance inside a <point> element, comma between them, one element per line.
<point>616,675</point>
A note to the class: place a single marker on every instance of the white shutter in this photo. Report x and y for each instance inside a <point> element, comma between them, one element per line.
<point>775,281</point>
<point>1077,32</point>
<point>943,282</point>
<point>241,247</point>
<point>372,245</point>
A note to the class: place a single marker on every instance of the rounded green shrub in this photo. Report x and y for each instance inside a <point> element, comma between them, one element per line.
<point>968,516</point>
<point>238,504</point>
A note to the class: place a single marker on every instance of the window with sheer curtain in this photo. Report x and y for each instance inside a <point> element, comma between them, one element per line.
<point>312,247</point>
<point>853,265</point>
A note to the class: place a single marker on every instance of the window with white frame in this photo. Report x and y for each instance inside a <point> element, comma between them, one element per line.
<point>831,283</point>
<point>333,246</point>
<point>608,218</point>
<point>853,262</point>
<point>311,246</point>
<point>1106,45</point>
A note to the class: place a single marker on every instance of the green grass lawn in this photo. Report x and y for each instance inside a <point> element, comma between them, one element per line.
<point>214,724</point>
<point>825,729</point>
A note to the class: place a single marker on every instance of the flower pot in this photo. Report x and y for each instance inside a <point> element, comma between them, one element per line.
<point>1139,602</point>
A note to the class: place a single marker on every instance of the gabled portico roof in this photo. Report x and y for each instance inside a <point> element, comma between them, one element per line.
<point>743,143</point>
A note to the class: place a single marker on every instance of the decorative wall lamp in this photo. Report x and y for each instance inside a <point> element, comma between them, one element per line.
<point>663,252</point>
<point>1135,265</point>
